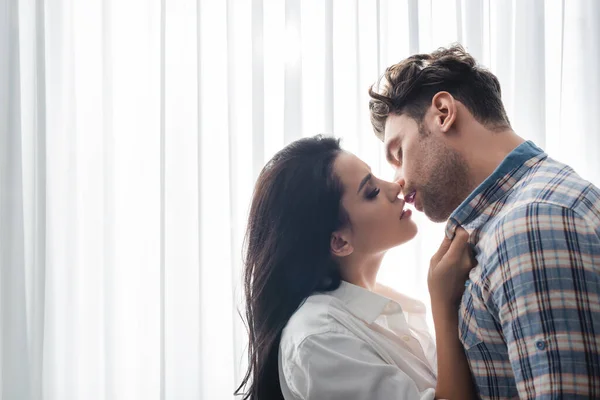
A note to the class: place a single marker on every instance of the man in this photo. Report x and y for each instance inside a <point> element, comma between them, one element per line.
<point>530,315</point>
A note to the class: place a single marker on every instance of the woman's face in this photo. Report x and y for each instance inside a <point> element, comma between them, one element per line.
<point>379,219</point>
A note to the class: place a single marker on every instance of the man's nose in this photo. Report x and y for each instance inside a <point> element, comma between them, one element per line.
<point>399,180</point>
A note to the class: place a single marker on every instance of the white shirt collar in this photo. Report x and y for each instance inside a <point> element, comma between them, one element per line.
<point>368,305</point>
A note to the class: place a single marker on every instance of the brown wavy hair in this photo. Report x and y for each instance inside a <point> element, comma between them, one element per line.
<point>408,87</point>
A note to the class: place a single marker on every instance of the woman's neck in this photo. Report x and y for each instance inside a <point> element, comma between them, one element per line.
<point>361,270</point>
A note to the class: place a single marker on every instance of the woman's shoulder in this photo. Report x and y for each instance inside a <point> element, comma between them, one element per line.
<point>318,315</point>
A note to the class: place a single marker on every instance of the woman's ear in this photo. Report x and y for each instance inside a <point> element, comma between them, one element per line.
<point>340,245</point>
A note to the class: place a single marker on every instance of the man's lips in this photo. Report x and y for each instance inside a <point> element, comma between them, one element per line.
<point>410,198</point>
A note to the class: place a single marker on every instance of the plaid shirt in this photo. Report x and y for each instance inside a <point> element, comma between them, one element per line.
<point>530,315</point>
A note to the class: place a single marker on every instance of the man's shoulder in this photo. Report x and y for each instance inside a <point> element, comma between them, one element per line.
<point>550,200</point>
<point>556,185</point>
<point>551,190</point>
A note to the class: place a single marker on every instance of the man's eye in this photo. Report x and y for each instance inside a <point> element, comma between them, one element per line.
<point>373,193</point>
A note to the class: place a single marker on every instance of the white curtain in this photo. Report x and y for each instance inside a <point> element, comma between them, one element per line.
<point>131,133</point>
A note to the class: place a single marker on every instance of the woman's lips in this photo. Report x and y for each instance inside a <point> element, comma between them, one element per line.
<point>410,198</point>
<point>406,213</point>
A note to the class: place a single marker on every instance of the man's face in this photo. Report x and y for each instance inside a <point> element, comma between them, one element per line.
<point>433,175</point>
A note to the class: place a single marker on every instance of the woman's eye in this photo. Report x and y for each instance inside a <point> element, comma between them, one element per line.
<point>399,156</point>
<point>373,193</point>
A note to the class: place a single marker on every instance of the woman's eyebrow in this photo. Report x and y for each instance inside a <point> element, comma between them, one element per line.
<point>364,182</point>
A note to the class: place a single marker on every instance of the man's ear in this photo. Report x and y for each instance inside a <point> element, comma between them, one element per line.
<point>340,245</point>
<point>445,110</point>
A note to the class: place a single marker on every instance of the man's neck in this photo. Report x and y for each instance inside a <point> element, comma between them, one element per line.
<point>487,151</point>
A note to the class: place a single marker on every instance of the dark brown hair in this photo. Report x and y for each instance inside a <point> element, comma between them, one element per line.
<point>408,87</point>
<point>295,209</point>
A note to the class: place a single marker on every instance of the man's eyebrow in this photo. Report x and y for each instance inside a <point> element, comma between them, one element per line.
<point>388,149</point>
<point>364,182</point>
<point>388,154</point>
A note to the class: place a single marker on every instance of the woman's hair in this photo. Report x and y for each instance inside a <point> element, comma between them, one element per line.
<point>295,208</point>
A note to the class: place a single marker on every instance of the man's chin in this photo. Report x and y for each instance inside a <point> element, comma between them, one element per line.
<point>437,220</point>
<point>436,216</point>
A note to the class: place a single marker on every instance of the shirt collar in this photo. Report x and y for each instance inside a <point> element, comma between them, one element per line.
<point>502,180</point>
<point>368,305</point>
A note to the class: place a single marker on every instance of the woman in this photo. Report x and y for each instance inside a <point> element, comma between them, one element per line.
<point>320,326</point>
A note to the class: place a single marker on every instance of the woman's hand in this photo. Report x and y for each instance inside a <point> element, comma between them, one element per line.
<point>449,269</point>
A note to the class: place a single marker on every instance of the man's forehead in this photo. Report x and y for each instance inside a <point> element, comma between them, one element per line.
<point>394,126</point>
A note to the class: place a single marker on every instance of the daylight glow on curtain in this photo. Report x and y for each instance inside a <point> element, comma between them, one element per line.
<point>131,133</point>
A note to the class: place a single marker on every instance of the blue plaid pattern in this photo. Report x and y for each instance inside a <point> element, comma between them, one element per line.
<point>530,315</point>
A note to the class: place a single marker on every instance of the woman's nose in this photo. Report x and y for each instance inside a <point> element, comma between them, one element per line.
<point>395,190</point>
<point>399,180</point>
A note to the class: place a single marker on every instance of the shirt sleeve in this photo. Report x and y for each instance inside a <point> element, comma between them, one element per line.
<point>341,366</point>
<point>547,295</point>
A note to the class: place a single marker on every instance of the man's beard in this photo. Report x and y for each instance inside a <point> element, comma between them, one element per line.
<point>448,185</point>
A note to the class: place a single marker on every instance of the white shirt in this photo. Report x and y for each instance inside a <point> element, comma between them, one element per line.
<point>355,344</point>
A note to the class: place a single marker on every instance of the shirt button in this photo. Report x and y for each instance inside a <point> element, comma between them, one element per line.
<point>540,344</point>
<point>406,338</point>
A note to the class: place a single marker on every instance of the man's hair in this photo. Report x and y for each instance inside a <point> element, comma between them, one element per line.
<point>409,86</point>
